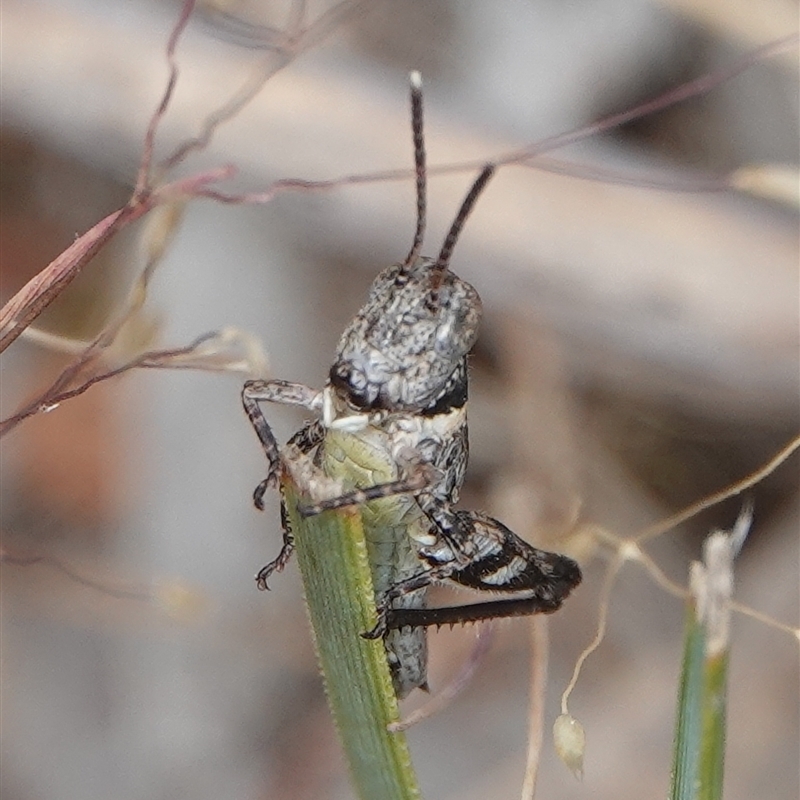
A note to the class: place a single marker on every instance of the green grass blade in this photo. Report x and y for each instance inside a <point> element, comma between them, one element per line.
<point>712,754</point>
<point>699,756</point>
<point>688,730</point>
<point>700,730</point>
<point>332,555</point>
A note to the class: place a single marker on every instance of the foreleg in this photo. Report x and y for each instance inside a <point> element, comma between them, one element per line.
<point>293,394</point>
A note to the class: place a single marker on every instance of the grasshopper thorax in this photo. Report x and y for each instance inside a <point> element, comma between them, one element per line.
<point>405,350</point>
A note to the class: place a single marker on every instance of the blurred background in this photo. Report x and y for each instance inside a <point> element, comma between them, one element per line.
<point>639,350</point>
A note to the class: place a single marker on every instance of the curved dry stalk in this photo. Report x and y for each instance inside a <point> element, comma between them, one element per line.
<point>540,656</point>
<point>45,286</point>
<point>32,559</point>
<point>694,88</point>
<point>765,619</point>
<point>484,638</point>
<point>143,176</point>
<point>714,499</point>
<point>287,46</point>
<point>32,299</point>
<point>602,623</point>
<point>203,353</point>
<point>629,549</point>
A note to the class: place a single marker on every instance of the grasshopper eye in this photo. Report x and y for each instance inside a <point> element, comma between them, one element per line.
<point>353,385</point>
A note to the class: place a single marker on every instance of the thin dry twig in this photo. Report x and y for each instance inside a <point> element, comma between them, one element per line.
<point>630,549</point>
<point>285,47</point>
<point>29,302</point>
<point>40,291</point>
<point>143,177</point>
<point>540,656</point>
<point>530,155</point>
<point>695,88</point>
<point>203,353</point>
<point>602,622</point>
<point>44,287</point>
<point>714,499</point>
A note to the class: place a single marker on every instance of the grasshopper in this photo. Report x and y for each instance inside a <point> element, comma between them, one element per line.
<point>392,430</point>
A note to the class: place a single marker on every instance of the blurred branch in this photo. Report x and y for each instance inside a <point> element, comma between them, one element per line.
<point>33,559</point>
<point>740,21</point>
<point>694,88</point>
<point>218,351</point>
<point>583,254</point>
<point>143,178</point>
<point>540,656</point>
<point>484,637</point>
<point>171,599</point>
<point>729,491</point>
<point>285,46</point>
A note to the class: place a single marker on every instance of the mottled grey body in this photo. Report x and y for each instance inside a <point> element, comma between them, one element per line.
<point>390,527</point>
<point>393,433</point>
<point>399,381</point>
<point>406,346</point>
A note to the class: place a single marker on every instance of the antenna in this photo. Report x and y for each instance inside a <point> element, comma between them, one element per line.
<point>419,164</point>
<point>443,261</point>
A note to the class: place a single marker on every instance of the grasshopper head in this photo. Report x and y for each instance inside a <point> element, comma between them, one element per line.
<point>405,349</point>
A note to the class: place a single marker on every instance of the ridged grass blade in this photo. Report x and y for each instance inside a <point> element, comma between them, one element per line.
<point>337,581</point>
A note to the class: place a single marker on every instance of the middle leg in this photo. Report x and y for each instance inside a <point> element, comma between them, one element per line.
<point>306,439</point>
